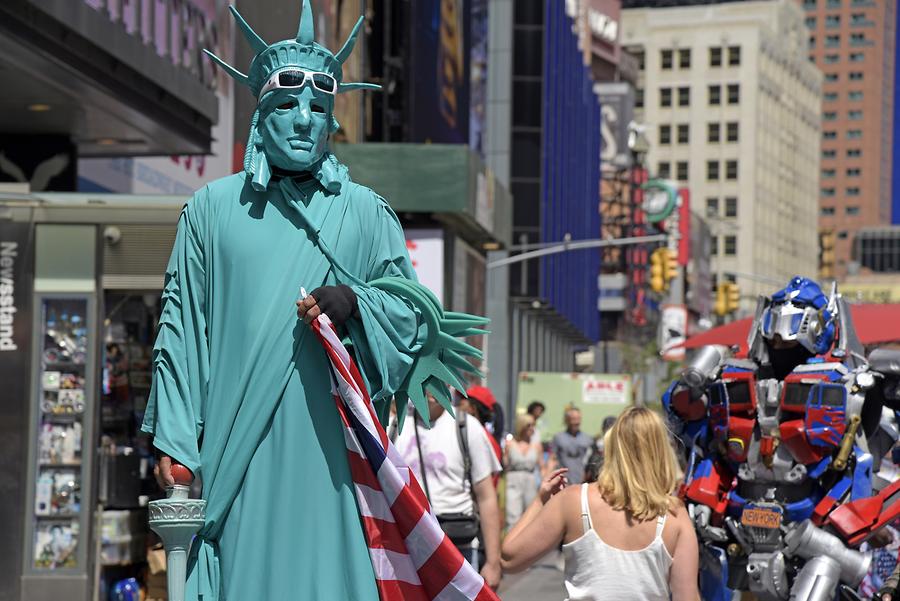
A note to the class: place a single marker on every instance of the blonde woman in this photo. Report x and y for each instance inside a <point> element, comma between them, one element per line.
<point>521,458</point>
<point>624,537</point>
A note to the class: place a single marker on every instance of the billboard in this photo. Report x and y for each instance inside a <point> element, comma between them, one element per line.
<point>596,395</point>
<point>426,251</point>
<point>440,86</point>
<point>617,111</point>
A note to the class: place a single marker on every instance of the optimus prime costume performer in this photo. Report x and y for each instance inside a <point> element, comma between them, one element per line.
<point>241,391</point>
<point>784,448</point>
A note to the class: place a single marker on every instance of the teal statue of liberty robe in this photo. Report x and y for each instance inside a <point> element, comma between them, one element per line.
<point>241,392</point>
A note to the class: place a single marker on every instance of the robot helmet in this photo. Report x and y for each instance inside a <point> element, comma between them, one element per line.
<point>802,313</point>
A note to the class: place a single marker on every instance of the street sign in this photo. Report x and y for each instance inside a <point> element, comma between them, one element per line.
<point>672,332</point>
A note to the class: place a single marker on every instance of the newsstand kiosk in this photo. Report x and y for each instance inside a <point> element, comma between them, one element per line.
<point>80,278</point>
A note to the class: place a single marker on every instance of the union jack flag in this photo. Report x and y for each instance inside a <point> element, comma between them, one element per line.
<point>412,557</point>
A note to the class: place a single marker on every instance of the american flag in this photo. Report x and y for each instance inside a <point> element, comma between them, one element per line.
<point>412,557</point>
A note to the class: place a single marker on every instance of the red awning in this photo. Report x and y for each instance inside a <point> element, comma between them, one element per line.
<point>874,324</point>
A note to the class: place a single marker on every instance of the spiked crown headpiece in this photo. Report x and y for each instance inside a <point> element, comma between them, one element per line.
<point>302,51</point>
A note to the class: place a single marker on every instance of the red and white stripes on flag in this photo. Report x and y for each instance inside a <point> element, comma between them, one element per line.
<point>412,557</point>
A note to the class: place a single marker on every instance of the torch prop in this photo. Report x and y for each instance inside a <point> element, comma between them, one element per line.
<point>176,519</point>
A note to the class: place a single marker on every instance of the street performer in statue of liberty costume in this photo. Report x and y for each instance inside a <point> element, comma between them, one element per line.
<point>241,392</point>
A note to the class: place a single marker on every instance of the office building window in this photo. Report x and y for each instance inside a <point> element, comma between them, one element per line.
<point>681,171</point>
<point>712,132</point>
<point>854,134</point>
<point>830,59</point>
<point>851,210</point>
<point>809,4</point>
<point>684,58</point>
<point>829,116</point>
<point>827,192</point>
<point>639,98</point>
<point>854,153</point>
<point>855,95</point>
<point>826,211</point>
<point>731,206</point>
<point>715,94</point>
<point>831,77</point>
<point>714,247</point>
<point>858,39</point>
<point>832,21</point>
<point>731,170</point>
<point>829,154</point>
<point>734,56</point>
<point>712,207</point>
<point>829,135</point>
<point>684,96</point>
<point>810,22</point>
<point>832,41</point>
<point>830,96</point>
<point>734,93</point>
<point>684,133</point>
<point>842,235</point>
<point>715,57</point>
<point>812,42</point>
<point>856,76</point>
<point>853,191</point>
<point>663,169</point>
<point>854,172</point>
<point>665,134</point>
<point>640,55</point>
<point>730,245</point>
<point>857,57</point>
<point>665,59</point>
<point>854,115</point>
<point>826,173</point>
<point>832,3</point>
<point>712,170</point>
<point>665,97</point>
<point>731,129</point>
<point>858,19</point>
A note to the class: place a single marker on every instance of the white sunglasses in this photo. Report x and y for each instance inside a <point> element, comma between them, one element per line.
<point>296,78</point>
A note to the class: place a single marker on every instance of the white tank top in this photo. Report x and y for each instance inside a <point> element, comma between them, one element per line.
<point>596,571</point>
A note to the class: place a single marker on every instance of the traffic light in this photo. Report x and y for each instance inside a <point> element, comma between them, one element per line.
<point>658,270</point>
<point>721,306</point>
<point>732,297</point>
<point>826,255</point>
<point>671,266</point>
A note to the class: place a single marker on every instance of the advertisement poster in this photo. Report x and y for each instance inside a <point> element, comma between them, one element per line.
<point>440,85</point>
<point>596,395</point>
<point>426,251</point>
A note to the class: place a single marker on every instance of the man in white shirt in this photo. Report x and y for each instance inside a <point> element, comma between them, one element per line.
<point>448,486</point>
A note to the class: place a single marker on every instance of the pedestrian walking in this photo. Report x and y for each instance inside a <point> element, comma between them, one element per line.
<point>521,458</point>
<point>536,410</point>
<point>454,461</point>
<point>572,447</point>
<point>625,537</point>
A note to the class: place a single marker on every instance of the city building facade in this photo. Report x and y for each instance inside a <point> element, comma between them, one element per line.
<point>732,110</point>
<point>852,42</point>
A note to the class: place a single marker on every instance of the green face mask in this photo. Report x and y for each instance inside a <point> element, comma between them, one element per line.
<point>290,128</point>
<point>294,126</point>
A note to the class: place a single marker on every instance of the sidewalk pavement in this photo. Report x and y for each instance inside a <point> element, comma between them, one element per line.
<point>542,582</point>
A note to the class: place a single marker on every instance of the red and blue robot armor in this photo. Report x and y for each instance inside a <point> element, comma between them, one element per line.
<point>784,447</point>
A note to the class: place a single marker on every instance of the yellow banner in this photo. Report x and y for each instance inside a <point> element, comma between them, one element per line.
<point>871,293</point>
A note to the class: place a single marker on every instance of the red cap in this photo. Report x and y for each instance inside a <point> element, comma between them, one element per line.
<point>482,394</point>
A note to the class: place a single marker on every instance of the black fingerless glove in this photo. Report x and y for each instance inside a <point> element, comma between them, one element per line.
<point>339,303</point>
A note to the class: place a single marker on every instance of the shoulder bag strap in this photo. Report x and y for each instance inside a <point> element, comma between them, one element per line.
<point>421,461</point>
<point>462,435</point>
